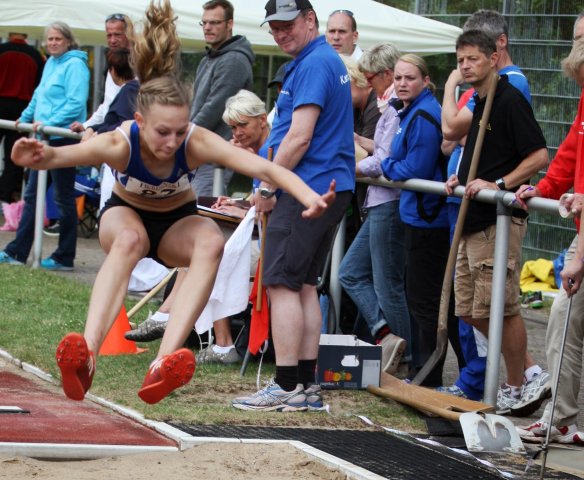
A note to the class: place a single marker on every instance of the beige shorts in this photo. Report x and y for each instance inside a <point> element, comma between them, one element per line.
<point>474,271</point>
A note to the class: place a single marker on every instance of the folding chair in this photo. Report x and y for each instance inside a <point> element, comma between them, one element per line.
<point>87,191</point>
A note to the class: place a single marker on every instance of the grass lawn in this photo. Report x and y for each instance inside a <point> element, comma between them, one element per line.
<point>40,307</point>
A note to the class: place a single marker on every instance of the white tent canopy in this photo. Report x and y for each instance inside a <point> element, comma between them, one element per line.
<point>376,22</point>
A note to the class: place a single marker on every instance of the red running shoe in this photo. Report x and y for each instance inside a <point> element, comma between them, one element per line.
<point>77,365</point>
<point>167,374</point>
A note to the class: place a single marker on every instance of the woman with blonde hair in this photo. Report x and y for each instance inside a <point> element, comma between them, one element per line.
<point>152,211</point>
<point>365,107</point>
<point>246,114</point>
<point>416,153</point>
<point>563,174</point>
<point>572,64</point>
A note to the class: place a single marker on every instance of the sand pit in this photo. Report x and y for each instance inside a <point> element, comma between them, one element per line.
<point>212,461</point>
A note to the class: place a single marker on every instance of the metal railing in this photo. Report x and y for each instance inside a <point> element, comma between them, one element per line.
<point>505,201</point>
<point>44,132</point>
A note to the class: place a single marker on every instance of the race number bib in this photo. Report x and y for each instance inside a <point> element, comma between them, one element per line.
<point>165,189</point>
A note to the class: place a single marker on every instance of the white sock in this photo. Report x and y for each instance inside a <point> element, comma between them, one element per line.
<point>515,391</point>
<point>159,316</point>
<point>222,350</point>
<point>531,372</point>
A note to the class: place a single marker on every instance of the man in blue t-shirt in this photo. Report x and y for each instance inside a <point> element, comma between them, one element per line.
<point>455,125</point>
<point>312,135</point>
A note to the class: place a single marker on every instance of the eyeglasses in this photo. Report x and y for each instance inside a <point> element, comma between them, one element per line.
<point>371,76</point>
<point>212,23</point>
<point>346,12</point>
<point>116,16</point>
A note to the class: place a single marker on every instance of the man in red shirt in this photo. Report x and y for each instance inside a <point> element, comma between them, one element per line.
<point>565,171</point>
<point>21,67</point>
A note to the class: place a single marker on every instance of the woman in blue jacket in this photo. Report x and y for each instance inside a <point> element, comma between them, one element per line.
<point>415,153</point>
<point>59,100</point>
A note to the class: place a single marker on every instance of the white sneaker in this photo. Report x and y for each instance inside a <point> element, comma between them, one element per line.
<point>148,331</point>
<point>505,400</point>
<point>274,398</point>
<point>209,355</point>
<point>537,431</point>
<point>533,394</point>
<point>392,349</point>
<point>314,397</point>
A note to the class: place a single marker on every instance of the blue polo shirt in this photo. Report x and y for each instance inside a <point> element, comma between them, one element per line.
<point>317,76</point>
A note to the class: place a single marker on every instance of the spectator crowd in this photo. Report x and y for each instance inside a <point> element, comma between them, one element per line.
<point>343,112</point>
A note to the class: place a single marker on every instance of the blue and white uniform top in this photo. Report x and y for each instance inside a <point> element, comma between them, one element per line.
<point>138,180</point>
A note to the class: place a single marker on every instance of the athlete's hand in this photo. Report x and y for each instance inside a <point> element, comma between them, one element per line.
<point>27,152</point>
<point>321,203</point>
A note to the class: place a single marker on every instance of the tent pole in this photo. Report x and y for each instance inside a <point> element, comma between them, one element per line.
<point>270,76</point>
<point>98,77</point>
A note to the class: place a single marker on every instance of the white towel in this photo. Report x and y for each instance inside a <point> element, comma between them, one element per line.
<point>230,293</point>
<point>146,275</point>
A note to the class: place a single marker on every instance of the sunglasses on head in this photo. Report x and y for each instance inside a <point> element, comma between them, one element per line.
<point>346,12</point>
<point>116,16</point>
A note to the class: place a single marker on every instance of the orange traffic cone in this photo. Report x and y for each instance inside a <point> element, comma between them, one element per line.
<point>115,343</point>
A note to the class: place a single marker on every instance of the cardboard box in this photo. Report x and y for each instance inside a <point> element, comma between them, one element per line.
<point>346,362</point>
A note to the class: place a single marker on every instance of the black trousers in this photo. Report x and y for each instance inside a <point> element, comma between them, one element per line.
<point>426,257</point>
<point>11,178</point>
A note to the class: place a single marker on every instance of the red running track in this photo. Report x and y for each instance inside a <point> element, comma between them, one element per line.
<point>53,418</point>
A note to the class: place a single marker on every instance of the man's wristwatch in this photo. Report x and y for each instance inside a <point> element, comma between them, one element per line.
<point>266,192</point>
<point>500,184</point>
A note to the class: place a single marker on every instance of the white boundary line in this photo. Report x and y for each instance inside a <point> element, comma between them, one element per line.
<point>183,440</point>
<point>74,451</point>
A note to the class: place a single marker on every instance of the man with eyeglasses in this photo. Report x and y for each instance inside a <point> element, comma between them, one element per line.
<point>312,135</point>
<point>225,69</point>
<point>342,34</point>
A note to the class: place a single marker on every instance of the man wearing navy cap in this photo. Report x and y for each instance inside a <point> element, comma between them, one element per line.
<point>312,135</point>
